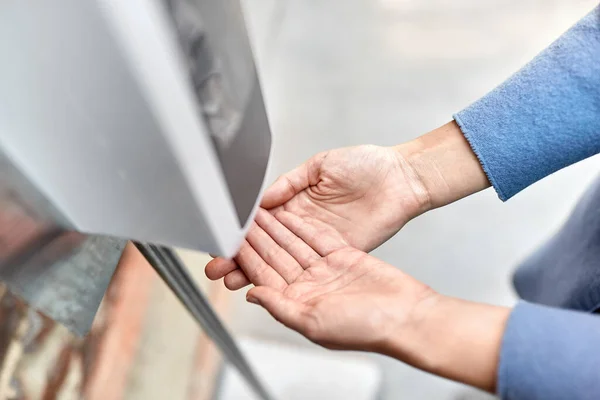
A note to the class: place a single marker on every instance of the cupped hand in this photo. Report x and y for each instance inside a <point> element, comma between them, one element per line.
<point>357,196</point>
<point>365,194</point>
<point>347,300</point>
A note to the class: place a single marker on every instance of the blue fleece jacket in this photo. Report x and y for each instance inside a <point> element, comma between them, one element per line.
<point>542,119</point>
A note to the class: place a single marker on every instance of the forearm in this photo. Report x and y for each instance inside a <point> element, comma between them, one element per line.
<point>528,352</point>
<point>445,165</point>
<point>455,339</point>
<point>543,118</point>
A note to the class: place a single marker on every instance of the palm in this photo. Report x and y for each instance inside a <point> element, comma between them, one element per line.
<point>358,197</point>
<point>340,300</point>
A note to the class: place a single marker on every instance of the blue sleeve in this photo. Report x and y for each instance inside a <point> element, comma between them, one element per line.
<point>545,117</point>
<point>550,354</point>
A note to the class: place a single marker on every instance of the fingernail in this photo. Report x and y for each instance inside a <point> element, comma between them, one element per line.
<point>253,300</point>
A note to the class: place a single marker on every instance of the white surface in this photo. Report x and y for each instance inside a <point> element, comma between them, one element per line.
<point>143,31</point>
<point>95,109</point>
<point>294,373</point>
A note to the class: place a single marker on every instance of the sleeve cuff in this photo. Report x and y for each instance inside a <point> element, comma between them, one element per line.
<point>544,117</point>
<point>480,153</point>
<point>549,354</point>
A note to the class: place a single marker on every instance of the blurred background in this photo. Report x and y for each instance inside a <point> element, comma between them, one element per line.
<point>334,73</point>
<point>346,72</point>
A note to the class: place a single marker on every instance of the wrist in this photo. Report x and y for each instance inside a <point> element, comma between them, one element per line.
<point>453,338</point>
<point>444,165</point>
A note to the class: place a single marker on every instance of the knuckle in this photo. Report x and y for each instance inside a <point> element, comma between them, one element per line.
<point>288,241</point>
<point>290,188</point>
<point>295,243</point>
<point>272,254</point>
<point>280,215</point>
<point>258,272</point>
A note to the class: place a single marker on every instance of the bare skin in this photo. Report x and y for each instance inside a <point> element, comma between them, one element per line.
<point>316,303</point>
<point>306,255</point>
<point>338,198</point>
<point>357,196</point>
<point>349,300</point>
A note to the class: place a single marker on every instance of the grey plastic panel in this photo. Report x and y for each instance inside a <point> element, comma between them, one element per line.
<point>215,45</point>
<point>74,120</point>
<point>245,160</point>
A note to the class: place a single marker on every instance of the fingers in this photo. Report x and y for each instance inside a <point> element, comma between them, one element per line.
<point>275,256</point>
<point>269,245</point>
<point>236,280</point>
<point>257,270</point>
<point>313,232</point>
<point>286,240</point>
<point>292,183</point>
<point>218,267</point>
<point>289,312</point>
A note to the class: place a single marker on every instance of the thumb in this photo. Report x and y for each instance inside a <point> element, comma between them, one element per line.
<point>285,187</point>
<point>293,182</point>
<point>289,312</point>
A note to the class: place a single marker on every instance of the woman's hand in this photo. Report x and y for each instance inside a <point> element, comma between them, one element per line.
<point>306,254</point>
<point>362,195</point>
<point>357,196</point>
<point>350,300</point>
